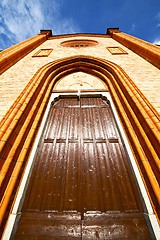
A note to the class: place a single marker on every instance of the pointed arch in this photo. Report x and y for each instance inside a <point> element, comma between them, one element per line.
<point>19,127</point>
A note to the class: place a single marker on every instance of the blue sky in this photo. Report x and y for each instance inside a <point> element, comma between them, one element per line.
<point>22,19</point>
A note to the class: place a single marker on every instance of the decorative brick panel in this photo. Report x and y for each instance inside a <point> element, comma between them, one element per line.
<point>43,53</point>
<point>116,50</point>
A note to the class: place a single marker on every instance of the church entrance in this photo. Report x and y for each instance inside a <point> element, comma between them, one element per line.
<point>81,185</point>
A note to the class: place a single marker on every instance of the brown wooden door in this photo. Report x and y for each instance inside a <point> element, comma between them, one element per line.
<point>81,185</point>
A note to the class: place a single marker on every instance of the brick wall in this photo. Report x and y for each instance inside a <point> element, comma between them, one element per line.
<point>144,74</point>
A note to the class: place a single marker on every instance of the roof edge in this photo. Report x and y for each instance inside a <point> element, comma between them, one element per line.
<point>79,35</point>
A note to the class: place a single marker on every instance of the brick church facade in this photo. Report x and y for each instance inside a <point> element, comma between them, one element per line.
<point>70,83</point>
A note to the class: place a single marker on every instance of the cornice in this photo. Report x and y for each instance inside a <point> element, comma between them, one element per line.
<point>79,35</point>
<point>13,54</point>
<point>148,51</point>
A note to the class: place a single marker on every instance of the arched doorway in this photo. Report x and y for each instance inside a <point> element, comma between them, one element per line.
<point>117,81</point>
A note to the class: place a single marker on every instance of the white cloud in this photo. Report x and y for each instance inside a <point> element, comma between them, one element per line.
<point>21,19</point>
<point>157,41</point>
<point>158,16</point>
<point>2,30</point>
<point>133,27</point>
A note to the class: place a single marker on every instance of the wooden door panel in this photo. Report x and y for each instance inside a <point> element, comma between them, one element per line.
<point>44,226</point>
<point>82,179</point>
<point>113,225</point>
